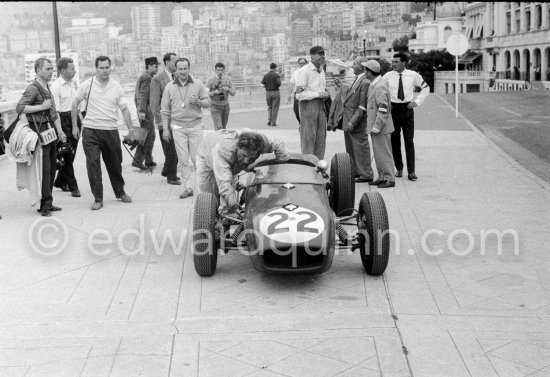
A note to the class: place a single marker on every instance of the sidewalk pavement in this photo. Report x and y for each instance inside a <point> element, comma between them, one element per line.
<point>450,303</point>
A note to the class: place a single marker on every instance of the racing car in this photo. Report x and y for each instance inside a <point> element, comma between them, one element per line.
<point>292,219</point>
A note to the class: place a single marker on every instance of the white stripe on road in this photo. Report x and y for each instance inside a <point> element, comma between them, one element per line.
<point>522,121</point>
<point>510,111</point>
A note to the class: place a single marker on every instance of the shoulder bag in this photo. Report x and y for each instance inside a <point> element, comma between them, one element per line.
<point>87,99</point>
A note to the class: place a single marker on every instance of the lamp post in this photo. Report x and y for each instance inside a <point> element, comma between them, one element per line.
<point>56,31</point>
<point>364,43</point>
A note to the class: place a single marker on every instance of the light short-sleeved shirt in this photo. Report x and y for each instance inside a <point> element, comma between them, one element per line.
<point>101,113</point>
<point>64,93</point>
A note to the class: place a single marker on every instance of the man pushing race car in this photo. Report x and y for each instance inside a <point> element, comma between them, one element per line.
<point>225,153</point>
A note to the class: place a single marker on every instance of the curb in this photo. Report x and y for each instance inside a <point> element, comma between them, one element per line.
<point>543,184</point>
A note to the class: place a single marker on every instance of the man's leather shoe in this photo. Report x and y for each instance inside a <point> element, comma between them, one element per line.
<point>363,179</point>
<point>46,212</point>
<point>412,177</point>
<point>54,208</point>
<point>399,173</point>
<point>187,193</point>
<point>97,205</point>
<point>376,183</point>
<point>136,165</point>
<point>173,182</point>
<point>152,163</point>
<point>163,173</point>
<point>75,193</point>
<point>269,123</point>
<point>125,198</point>
<point>386,184</point>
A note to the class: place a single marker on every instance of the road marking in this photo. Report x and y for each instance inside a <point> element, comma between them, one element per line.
<point>522,121</point>
<point>510,111</point>
<point>541,116</point>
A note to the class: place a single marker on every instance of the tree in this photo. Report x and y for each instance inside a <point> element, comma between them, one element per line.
<point>425,63</point>
<point>401,44</point>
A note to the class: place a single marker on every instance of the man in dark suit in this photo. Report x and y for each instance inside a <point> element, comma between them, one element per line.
<point>352,115</point>
<point>141,99</point>
<point>158,84</point>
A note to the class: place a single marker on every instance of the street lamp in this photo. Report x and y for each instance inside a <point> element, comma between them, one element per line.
<point>56,31</point>
<point>364,43</point>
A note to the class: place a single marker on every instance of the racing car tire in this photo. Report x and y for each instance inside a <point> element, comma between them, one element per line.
<point>373,217</point>
<point>342,187</point>
<point>205,250</point>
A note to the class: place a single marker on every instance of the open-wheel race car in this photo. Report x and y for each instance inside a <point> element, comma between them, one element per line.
<point>293,217</point>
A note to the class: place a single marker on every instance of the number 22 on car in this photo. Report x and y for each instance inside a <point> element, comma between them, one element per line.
<point>296,226</point>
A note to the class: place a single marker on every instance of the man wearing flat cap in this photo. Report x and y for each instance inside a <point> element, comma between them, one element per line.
<point>380,124</point>
<point>141,98</point>
<point>311,91</point>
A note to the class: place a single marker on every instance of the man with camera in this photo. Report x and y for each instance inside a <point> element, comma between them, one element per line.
<point>38,105</point>
<point>220,87</point>
<point>64,91</point>
<point>100,135</point>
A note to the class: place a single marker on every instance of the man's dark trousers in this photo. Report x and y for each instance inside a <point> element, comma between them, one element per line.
<point>145,152</point>
<point>49,161</point>
<point>170,157</point>
<point>273,99</point>
<point>65,176</point>
<point>403,119</point>
<point>106,143</point>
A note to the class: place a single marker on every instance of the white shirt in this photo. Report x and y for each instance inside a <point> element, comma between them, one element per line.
<point>411,79</point>
<point>311,81</point>
<point>64,93</point>
<point>293,79</point>
<point>103,102</point>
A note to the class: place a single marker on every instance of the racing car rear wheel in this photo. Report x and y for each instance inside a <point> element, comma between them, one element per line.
<point>205,243</point>
<point>342,185</point>
<point>375,245</point>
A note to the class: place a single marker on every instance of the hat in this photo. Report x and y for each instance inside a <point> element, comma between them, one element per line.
<point>151,60</point>
<point>316,50</point>
<point>373,65</point>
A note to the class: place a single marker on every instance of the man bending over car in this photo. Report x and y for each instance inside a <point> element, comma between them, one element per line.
<point>225,153</point>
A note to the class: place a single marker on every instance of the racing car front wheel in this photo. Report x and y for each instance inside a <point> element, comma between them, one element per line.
<point>205,244</point>
<point>342,185</point>
<point>374,244</point>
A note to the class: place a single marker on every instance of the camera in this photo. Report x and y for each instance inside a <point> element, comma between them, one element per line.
<point>220,88</point>
<point>132,143</point>
<point>64,152</point>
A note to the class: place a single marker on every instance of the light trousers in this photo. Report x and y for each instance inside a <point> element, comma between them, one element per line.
<point>186,141</point>
<point>381,147</point>
<point>313,127</point>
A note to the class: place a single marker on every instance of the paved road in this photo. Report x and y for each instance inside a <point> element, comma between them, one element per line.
<point>453,303</point>
<point>516,121</point>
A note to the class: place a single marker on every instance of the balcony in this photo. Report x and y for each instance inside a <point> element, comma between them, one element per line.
<point>462,75</point>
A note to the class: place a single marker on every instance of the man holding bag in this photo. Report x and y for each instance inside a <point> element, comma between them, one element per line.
<point>100,135</point>
<point>37,103</point>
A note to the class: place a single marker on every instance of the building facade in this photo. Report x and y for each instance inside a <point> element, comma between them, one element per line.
<point>146,23</point>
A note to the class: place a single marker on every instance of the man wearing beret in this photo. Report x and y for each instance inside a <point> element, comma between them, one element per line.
<point>141,98</point>
<point>311,91</point>
<point>380,124</point>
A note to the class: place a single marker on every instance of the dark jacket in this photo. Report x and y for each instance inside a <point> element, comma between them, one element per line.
<point>345,107</point>
<point>158,84</point>
<point>143,88</point>
<point>35,94</point>
<point>272,81</point>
